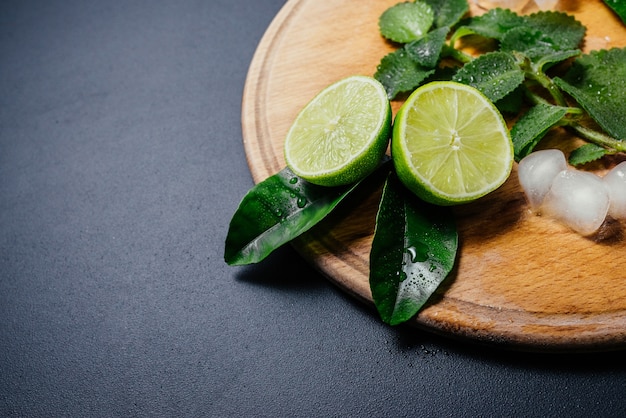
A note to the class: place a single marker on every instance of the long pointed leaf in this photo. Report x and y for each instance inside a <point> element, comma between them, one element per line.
<point>274,212</point>
<point>413,250</point>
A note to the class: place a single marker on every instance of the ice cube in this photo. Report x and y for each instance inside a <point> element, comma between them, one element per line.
<point>579,199</point>
<point>616,183</point>
<point>536,173</point>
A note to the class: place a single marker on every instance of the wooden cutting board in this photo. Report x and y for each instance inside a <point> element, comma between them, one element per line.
<point>521,280</point>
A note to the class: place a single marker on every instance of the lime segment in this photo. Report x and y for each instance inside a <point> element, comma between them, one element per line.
<point>450,144</point>
<point>342,134</point>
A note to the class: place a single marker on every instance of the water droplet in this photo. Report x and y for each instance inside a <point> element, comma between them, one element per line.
<point>301,202</point>
<point>418,253</point>
<point>432,268</point>
<point>293,180</point>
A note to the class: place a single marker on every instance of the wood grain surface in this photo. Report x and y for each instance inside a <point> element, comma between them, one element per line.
<point>521,280</point>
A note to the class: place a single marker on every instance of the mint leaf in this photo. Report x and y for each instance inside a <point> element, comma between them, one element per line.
<point>406,22</point>
<point>398,73</point>
<point>512,102</point>
<point>448,12</point>
<point>413,251</point>
<point>427,50</point>
<point>597,81</point>
<point>495,74</point>
<point>586,154</point>
<point>560,30</point>
<point>552,58</point>
<point>493,24</point>
<point>533,126</point>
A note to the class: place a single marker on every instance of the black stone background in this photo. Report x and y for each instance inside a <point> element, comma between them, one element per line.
<point>121,163</point>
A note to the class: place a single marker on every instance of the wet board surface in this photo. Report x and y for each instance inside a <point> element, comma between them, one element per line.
<point>521,280</point>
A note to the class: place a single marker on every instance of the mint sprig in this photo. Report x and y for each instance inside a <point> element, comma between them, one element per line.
<point>524,52</point>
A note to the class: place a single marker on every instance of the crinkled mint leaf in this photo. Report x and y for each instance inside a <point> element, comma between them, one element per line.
<point>559,30</point>
<point>493,24</point>
<point>406,22</point>
<point>512,102</point>
<point>427,50</point>
<point>619,7</point>
<point>495,74</point>
<point>413,250</point>
<point>597,81</point>
<point>551,58</point>
<point>587,153</point>
<point>528,41</point>
<point>398,73</point>
<point>533,126</point>
<point>448,12</point>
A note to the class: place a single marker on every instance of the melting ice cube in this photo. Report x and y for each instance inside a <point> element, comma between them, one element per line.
<point>579,199</point>
<point>616,183</point>
<point>536,173</point>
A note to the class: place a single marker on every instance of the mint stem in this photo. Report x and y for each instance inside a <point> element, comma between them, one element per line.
<point>598,138</point>
<point>547,83</point>
<point>451,52</point>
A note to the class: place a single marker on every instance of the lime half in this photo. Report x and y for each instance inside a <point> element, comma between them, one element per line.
<point>450,144</point>
<point>342,134</point>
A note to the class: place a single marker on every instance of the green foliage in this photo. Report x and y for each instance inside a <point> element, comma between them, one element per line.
<point>447,12</point>
<point>406,22</point>
<point>413,251</point>
<point>524,49</point>
<point>494,24</point>
<point>274,212</point>
<point>398,73</point>
<point>427,50</point>
<point>597,81</point>
<point>533,126</point>
<point>586,154</point>
<point>495,74</point>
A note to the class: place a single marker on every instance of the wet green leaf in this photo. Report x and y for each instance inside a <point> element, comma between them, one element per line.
<point>586,154</point>
<point>406,22</point>
<point>597,81</point>
<point>274,212</point>
<point>495,74</point>
<point>413,250</point>
<point>532,127</point>
<point>399,73</point>
<point>448,12</point>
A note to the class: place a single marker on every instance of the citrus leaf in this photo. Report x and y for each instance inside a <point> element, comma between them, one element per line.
<point>448,12</point>
<point>495,74</point>
<point>413,251</point>
<point>406,22</point>
<point>427,50</point>
<point>619,7</point>
<point>533,126</point>
<point>597,81</point>
<point>274,212</point>
<point>586,154</point>
<point>398,73</point>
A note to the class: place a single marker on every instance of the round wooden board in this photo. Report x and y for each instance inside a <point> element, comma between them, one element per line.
<point>521,280</point>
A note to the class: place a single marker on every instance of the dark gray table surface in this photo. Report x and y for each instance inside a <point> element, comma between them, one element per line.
<point>121,163</point>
